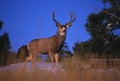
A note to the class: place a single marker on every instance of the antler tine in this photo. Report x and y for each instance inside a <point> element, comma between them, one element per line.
<point>53,16</point>
<point>72,17</point>
<point>72,14</point>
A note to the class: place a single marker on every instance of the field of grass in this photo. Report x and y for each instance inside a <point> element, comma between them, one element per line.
<point>42,75</point>
<point>73,70</point>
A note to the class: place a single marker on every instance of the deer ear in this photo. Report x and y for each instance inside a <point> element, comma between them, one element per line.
<point>58,25</point>
<point>68,25</point>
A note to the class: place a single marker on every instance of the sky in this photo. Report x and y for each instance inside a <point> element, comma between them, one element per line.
<point>26,20</point>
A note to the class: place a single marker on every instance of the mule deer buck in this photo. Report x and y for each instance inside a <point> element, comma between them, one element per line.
<point>51,45</point>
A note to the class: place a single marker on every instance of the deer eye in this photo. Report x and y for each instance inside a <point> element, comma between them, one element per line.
<point>64,28</point>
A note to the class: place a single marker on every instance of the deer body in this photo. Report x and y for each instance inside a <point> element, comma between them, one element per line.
<point>46,45</point>
<point>51,45</point>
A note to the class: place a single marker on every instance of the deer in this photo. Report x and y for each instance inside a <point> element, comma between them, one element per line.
<point>51,45</point>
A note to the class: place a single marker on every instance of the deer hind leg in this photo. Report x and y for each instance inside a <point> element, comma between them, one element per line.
<point>27,59</point>
<point>33,62</point>
<point>56,59</point>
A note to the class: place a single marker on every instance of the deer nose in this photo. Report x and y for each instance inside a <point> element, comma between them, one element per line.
<point>64,30</point>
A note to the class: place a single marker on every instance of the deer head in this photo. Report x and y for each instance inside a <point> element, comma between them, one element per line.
<point>62,28</point>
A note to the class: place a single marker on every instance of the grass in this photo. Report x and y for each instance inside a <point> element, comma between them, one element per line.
<point>75,69</point>
<point>38,75</point>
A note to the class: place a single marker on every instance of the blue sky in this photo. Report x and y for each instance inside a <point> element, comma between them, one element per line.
<point>26,20</point>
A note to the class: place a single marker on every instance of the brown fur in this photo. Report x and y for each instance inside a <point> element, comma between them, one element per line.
<point>51,45</point>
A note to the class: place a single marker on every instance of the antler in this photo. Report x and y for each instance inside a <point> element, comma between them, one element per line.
<point>72,19</point>
<point>53,16</point>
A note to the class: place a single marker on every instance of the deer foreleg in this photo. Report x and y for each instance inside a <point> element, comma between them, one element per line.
<point>52,59</point>
<point>56,59</point>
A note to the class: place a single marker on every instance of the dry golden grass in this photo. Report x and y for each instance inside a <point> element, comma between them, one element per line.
<point>74,70</point>
<point>37,75</point>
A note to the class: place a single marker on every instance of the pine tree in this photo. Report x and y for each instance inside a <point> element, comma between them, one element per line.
<point>4,46</point>
<point>102,26</point>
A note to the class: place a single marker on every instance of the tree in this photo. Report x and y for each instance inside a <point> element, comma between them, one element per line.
<point>102,26</point>
<point>1,23</point>
<point>4,46</point>
<point>4,42</point>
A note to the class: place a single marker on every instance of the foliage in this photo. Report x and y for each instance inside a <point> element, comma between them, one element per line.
<point>1,23</point>
<point>102,27</point>
<point>4,46</point>
<point>4,42</point>
<point>65,50</point>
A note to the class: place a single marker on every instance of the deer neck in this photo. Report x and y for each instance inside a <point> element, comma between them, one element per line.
<point>60,38</point>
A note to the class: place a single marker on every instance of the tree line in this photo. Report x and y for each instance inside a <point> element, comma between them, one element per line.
<point>102,26</point>
<point>4,46</point>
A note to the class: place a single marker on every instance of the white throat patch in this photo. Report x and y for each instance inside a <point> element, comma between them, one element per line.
<point>62,33</point>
